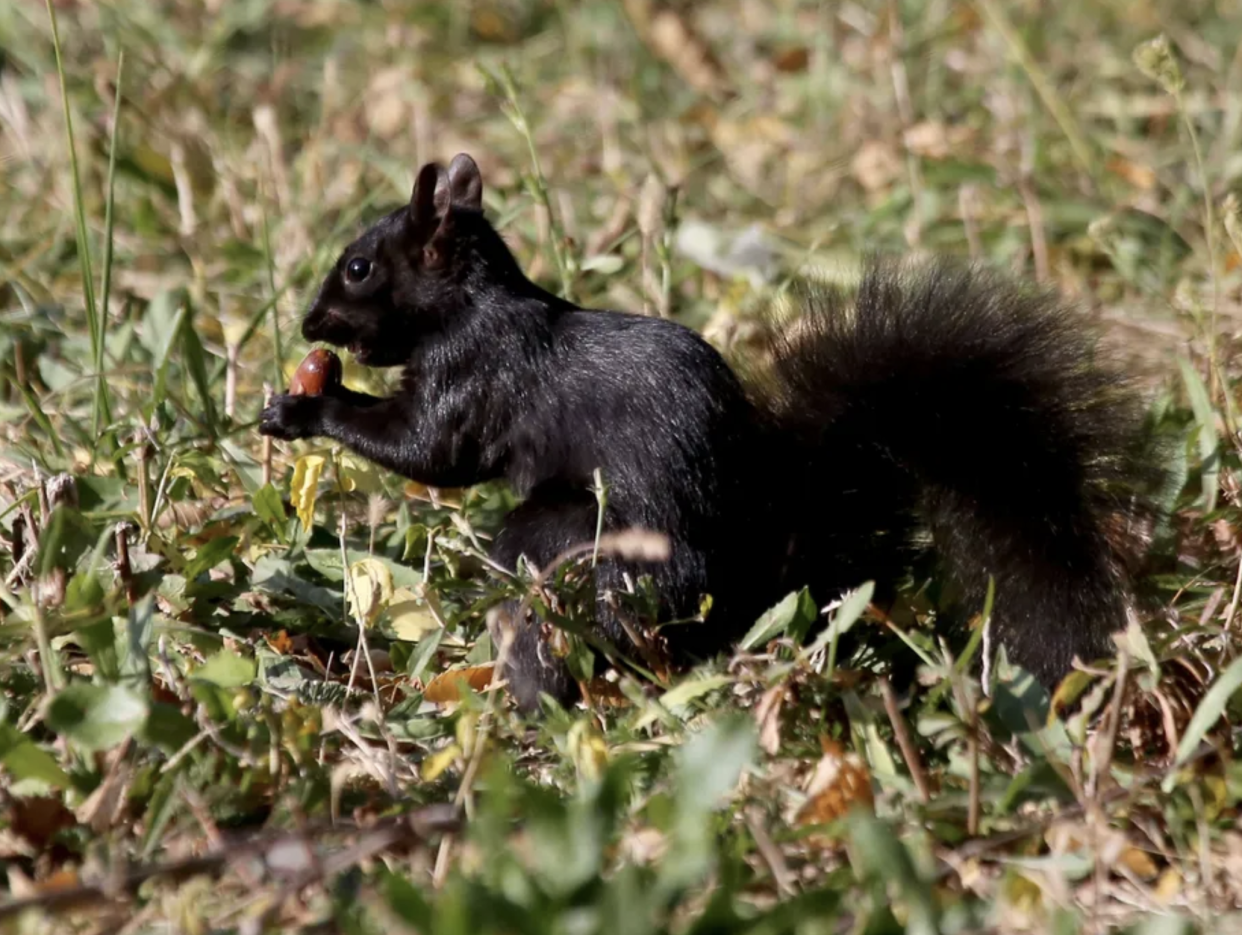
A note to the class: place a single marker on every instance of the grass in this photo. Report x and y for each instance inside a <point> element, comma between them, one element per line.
<point>190,737</point>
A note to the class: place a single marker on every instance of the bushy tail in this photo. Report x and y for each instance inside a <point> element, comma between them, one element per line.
<point>949,400</point>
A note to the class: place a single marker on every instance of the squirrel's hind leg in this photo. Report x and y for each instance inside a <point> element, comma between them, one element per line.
<point>550,521</point>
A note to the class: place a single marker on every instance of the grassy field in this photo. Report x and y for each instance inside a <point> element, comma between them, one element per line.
<point>191,737</point>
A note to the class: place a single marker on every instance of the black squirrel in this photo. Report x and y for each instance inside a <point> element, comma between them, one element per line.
<point>937,398</point>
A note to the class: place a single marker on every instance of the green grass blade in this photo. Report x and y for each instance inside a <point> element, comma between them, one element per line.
<point>41,419</point>
<point>278,352</point>
<point>105,286</point>
<point>102,415</point>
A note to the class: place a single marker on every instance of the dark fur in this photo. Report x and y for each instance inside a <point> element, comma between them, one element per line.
<point>938,398</point>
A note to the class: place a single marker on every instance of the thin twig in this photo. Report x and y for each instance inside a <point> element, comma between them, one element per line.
<point>901,731</point>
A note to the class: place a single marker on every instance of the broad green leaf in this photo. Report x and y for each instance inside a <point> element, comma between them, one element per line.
<point>880,857</point>
<point>679,696</point>
<point>23,759</point>
<point>774,622</point>
<point>269,508</point>
<point>96,717</point>
<point>708,767</point>
<point>209,555</point>
<point>328,563</point>
<point>65,539</point>
<point>406,902</point>
<point>710,763</point>
<point>226,670</point>
<point>843,618</point>
<point>421,659</point>
<point>167,728</point>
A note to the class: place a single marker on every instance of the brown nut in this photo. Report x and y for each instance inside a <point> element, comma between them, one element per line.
<point>318,373</point>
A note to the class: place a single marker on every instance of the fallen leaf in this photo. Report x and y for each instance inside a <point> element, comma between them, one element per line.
<point>673,38</point>
<point>1140,176</point>
<point>447,687</point>
<point>39,818</point>
<point>1138,862</point>
<point>601,690</point>
<point>768,717</point>
<point>370,589</point>
<point>875,165</point>
<point>792,58</point>
<point>840,782</point>
<point>410,617</point>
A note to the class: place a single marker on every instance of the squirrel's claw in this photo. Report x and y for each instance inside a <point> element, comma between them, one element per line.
<point>290,417</point>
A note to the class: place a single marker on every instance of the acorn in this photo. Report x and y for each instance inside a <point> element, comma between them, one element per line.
<point>318,373</point>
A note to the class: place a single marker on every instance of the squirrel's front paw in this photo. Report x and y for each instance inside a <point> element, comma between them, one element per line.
<point>291,417</point>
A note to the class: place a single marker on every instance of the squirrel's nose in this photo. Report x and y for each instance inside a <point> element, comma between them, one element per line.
<point>315,322</point>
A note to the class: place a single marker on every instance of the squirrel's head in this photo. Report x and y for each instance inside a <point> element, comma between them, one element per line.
<point>407,276</point>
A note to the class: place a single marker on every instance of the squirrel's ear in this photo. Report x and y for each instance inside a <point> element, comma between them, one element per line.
<point>430,197</point>
<point>465,182</point>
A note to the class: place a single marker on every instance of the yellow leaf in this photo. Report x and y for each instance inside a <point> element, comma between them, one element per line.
<point>305,487</point>
<point>370,589</point>
<point>1168,887</point>
<point>587,749</point>
<point>437,763</point>
<point>467,731</point>
<point>1138,862</point>
<point>409,616</point>
<point>436,496</point>
<point>358,474</point>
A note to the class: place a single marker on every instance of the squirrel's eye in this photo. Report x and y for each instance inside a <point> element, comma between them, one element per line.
<point>357,269</point>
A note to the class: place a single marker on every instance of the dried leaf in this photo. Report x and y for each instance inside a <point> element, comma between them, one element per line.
<point>448,687</point>
<point>370,589</point>
<point>1231,210</point>
<point>38,818</point>
<point>875,165</point>
<point>1138,862</point>
<point>932,139</point>
<point>636,545</point>
<point>792,58</point>
<point>1140,176</point>
<point>674,39</point>
<point>602,691</point>
<point>840,782</point>
<point>768,717</point>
